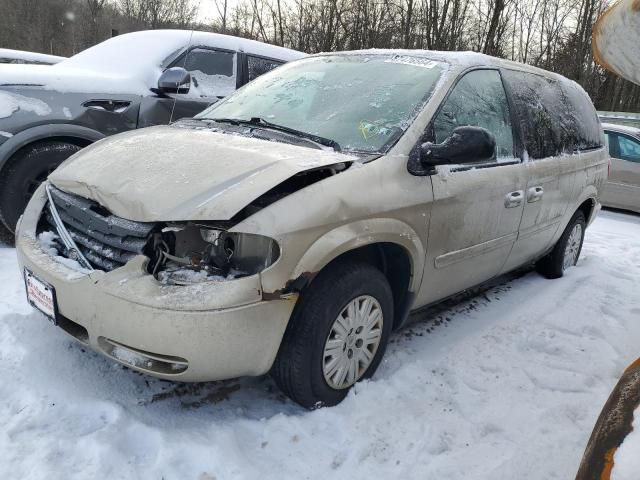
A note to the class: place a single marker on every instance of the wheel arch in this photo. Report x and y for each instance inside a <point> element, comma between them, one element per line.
<point>588,208</point>
<point>394,262</point>
<point>390,245</point>
<point>74,134</point>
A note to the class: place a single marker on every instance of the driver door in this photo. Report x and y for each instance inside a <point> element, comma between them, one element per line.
<point>213,76</point>
<point>476,208</point>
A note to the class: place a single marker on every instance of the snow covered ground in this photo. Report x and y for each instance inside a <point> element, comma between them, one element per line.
<point>504,385</point>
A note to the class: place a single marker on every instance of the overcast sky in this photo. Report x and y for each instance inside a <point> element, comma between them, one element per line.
<point>208,9</point>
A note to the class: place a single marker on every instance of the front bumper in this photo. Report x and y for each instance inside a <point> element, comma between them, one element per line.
<point>209,331</point>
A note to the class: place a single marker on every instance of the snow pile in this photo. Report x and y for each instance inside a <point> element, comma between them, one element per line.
<point>13,102</point>
<point>50,243</point>
<point>209,86</point>
<point>505,385</point>
<point>19,56</point>
<point>626,463</point>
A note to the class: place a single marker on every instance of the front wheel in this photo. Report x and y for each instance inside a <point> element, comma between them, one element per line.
<point>337,335</point>
<point>567,250</point>
<point>24,174</point>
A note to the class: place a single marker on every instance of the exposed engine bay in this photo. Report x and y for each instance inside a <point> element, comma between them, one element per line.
<point>192,253</point>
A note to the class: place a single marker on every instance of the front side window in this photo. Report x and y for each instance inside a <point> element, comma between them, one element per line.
<point>259,66</point>
<point>213,72</point>
<point>477,100</point>
<point>362,102</point>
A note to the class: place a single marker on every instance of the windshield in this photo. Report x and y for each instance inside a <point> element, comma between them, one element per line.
<point>362,102</point>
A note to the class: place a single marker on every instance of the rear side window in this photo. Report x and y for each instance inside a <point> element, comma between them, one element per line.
<point>554,117</point>
<point>623,147</point>
<point>259,66</point>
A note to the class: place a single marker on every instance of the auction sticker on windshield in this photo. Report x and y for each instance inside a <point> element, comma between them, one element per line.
<point>40,295</point>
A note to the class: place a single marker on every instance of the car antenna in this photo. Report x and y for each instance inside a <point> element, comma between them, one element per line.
<point>184,64</point>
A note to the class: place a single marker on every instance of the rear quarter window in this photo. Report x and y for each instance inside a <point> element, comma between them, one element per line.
<point>259,66</point>
<point>554,116</point>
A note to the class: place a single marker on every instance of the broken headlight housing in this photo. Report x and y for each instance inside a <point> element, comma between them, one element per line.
<point>190,254</point>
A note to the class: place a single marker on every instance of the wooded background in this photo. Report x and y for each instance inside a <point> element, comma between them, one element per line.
<point>552,34</point>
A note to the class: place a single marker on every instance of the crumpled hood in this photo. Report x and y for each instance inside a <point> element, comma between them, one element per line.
<point>176,174</point>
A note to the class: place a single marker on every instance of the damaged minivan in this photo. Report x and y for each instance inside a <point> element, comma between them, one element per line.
<point>291,227</point>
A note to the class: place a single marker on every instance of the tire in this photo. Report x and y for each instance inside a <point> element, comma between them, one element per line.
<point>25,172</point>
<point>303,368</point>
<point>566,251</point>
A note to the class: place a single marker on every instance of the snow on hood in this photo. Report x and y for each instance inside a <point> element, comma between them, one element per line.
<point>616,37</point>
<point>23,56</point>
<point>174,174</point>
<point>50,77</point>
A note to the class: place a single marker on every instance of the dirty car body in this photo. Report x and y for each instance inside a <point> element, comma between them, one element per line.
<point>362,185</point>
<point>48,113</point>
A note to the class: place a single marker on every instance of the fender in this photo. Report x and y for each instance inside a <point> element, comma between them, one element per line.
<point>589,192</point>
<point>25,137</point>
<point>359,234</point>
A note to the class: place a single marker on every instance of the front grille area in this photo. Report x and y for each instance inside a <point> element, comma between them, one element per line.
<point>106,241</point>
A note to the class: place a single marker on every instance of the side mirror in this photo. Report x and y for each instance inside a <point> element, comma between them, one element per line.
<point>174,80</point>
<point>465,145</point>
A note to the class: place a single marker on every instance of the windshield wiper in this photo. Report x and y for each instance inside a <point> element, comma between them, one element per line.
<point>262,123</point>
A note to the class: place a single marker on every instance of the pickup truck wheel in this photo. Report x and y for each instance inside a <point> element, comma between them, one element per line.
<point>24,174</point>
<point>567,250</point>
<point>337,335</point>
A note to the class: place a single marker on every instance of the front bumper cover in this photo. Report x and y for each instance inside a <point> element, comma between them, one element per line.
<point>208,331</point>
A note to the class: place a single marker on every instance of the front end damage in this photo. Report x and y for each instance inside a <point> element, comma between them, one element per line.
<point>184,253</point>
<point>180,301</point>
<point>157,267</point>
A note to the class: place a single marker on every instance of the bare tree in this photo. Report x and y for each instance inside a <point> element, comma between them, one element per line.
<point>552,34</point>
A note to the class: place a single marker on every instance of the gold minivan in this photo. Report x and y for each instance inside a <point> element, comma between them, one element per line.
<point>292,226</point>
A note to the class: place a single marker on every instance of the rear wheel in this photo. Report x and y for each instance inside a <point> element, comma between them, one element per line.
<point>337,335</point>
<point>567,250</point>
<point>24,174</point>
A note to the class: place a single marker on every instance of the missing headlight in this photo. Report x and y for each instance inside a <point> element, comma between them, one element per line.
<point>192,254</point>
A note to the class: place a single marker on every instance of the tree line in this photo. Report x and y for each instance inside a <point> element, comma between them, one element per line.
<point>551,34</point>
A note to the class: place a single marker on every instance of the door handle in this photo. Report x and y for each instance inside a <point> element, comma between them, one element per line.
<point>513,199</point>
<point>534,194</point>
